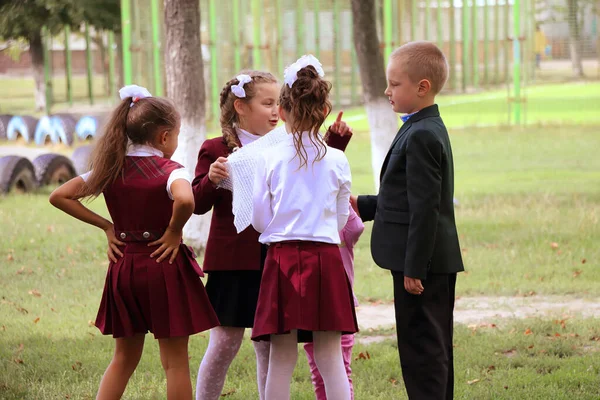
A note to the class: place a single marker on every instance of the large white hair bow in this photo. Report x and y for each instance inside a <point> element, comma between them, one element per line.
<point>238,89</point>
<point>135,92</point>
<point>290,75</point>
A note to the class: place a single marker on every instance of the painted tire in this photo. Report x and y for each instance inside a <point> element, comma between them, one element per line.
<point>16,174</point>
<point>4,120</point>
<point>63,126</point>
<point>81,158</point>
<point>44,133</point>
<point>53,169</point>
<point>23,126</point>
<point>88,127</point>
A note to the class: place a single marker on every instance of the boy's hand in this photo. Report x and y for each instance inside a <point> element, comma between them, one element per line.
<point>113,244</point>
<point>218,171</point>
<point>413,285</point>
<point>169,244</point>
<point>354,204</point>
<point>340,127</point>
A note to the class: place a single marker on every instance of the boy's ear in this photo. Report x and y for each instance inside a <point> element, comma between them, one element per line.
<point>424,87</point>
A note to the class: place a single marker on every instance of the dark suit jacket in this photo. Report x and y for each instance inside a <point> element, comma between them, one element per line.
<point>414,229</point>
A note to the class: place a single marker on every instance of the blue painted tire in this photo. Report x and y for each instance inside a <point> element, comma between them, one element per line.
<point>44,132</point>
<point>63,126</point>
<point>87,127</point>
<point>23,126</point>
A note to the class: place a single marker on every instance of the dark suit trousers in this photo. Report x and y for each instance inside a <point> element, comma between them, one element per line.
<point>424,325</point>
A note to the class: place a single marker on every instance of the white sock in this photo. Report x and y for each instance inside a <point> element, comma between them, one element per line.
<point>329,360</point>
<point>282,360</point>
<point>223,346</point>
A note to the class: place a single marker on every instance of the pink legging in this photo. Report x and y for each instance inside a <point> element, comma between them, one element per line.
<point>317,380</point>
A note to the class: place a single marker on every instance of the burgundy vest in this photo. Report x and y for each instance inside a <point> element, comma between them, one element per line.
<point>138,200</point>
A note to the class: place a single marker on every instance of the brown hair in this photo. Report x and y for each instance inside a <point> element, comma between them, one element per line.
<point>307,101</point>
<point>137,124</point>
<point>423,60</point>
<point>229,116</point>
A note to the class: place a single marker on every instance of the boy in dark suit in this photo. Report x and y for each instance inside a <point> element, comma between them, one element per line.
<point>414,231</point>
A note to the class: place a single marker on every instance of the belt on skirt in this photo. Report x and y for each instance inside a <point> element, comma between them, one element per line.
<point>138,236</point>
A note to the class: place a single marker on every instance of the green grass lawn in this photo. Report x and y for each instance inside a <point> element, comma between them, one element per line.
<point>519,191</point>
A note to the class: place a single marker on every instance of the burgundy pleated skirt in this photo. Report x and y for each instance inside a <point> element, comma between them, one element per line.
<point>304,287</point>
<point>141,295</point>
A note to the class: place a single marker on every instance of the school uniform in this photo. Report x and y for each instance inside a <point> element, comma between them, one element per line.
<point>414,234</point>
<point>233,261</point>
<point>141,295</point>
<point>299,212</point>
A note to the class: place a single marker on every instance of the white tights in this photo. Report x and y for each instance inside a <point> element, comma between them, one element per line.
<point>328,357</point>
<point>223,346</point>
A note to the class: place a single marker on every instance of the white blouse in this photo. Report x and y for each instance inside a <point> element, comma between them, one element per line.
<point>246,137</point>
<point>142,150</point>
<point>308,203</point>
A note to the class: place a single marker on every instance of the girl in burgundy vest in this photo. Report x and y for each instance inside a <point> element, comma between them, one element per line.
<point>300,203</point>
<point>153,281</point>
<point>234,261</point>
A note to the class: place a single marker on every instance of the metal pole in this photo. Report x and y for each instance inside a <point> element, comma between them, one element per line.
<point>413,19</point>
<point>300,31</point>
<point>47,78</point>
<point>497,42</point>
<point>237,54</point>
<point>126,33</point>
<point>465,44</point>
<point>506,42</point>
<point>517,60</point>
<point>387,29</point>
<point>486,43</point>
<point>475,37</point>
<point>317,12</point>
<point>336,45</point>
<point>439,28</point>
<point>88,59</point>
<point>427,20</point>
<point>452,61</point>
<point>156,47</point>
<point>256,36</point>
<point>354,67</point>
<point>68,65</point>
<point>214,58</point>
<point>280,58</point>
<point>112,75</point>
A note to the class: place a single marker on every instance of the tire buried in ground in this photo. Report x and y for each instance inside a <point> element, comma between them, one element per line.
<point>16,174</point>
<point>53,169</point>
<point>4,120</point>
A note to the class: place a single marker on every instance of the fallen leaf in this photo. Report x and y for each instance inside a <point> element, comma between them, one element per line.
<point>21,348</point>
<point>393,381</point>
<point>35,293</point>
<point>91,323</point>
<point>530,346</point>
<point>583,260</point>
<point>557,334</point>
<point>52,309</point>
<point>595,338</point>
<point>10,257</point>
<point>3,328</point>
<point>18,360</point>
<point>505,387</point>
<point>573,335</point>
<point>576,273</point>
<point>528,331</point>
<point>35,321</point>
<point>510,353</point>
<point>559,252</point>
<point>228,393</point>
<point>50,228</point>
<point>473,381</point>
<point>76,366</point>
<point>554,245</point>
<point>543,351</point>
<point>491,368</point>
<point>363,356</point>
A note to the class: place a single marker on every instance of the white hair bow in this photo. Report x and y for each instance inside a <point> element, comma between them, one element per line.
<point>238,89</point>
<point>290,75</point>
<point>135,92</point>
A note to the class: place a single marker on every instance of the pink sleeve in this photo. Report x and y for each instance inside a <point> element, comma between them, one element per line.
<point>352,230</point>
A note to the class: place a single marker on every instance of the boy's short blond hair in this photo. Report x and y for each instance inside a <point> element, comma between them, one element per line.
<point>423,60</point>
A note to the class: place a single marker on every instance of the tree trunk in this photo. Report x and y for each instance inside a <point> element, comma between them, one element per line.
<point>36,50</point>
<point>185,85</point>
<point>98,40</point>
<point>575,44</point>
<point>382,119</point>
